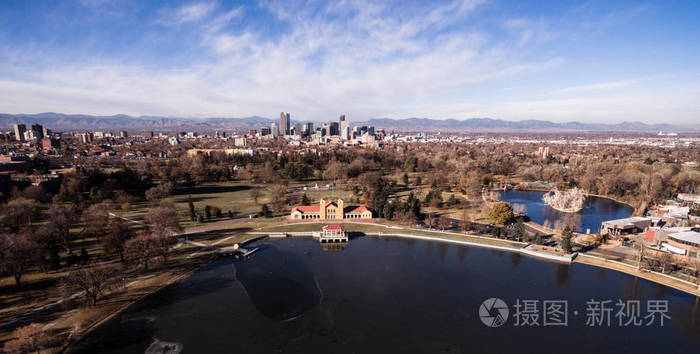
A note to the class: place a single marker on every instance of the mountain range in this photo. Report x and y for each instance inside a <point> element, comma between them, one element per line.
<point>62,122</point>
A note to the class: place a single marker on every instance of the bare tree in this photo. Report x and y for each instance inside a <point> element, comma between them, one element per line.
<point>666,261</point>
<point>17,253</point>
<point>279,196</point>
<point>60,221</point>
<point>19,212</point>
<point>96,218</point>
<point>117,233</point>
<point>465,223</point>
<point>430,219</point>
<point>159,192</point>
<point>163,220</point>
<point>444,222</point>
<point>406,217</point>
<point>255,193</point>
<point>141,250</point>
<point>92,281</point>
<point>29,339</point>
<point>335,170</point>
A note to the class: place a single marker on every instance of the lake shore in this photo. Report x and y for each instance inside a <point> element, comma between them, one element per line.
<point>663,279</point>
<point>113,308</point>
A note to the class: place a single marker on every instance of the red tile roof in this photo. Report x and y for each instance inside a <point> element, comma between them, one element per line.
<point>358,209</point>
<point>308,208</point>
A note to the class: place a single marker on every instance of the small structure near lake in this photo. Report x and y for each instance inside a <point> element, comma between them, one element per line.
<point>333,233</point>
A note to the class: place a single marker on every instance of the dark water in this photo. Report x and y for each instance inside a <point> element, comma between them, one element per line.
<point>595,211</point>
<point>388,295</point>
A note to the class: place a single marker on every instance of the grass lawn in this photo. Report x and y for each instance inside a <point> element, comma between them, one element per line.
<point>354,227</point>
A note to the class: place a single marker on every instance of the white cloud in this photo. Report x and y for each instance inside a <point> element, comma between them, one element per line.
<point>194,12</point>
<point>607,85</point>
<point>358,58</point>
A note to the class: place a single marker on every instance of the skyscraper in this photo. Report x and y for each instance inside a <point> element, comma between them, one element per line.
<point>38,131</point>
<point>334,128</point>
<point>19,131</point>
<point>343,125</point>
<point>274,130</point>
<point>285,123</point>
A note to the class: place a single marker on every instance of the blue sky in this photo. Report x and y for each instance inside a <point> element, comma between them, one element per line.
<point>593,61</point>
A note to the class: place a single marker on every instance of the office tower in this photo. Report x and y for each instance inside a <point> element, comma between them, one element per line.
<point>334,128</point>
<point>343,125</point>
<point>309,128</point>
<point>19,131</point>
<point>298,129</point>
<point>265,131</point>
<point>285,123</point>
<point>346,133</point>
<point>38,131</point>
<point>275,130</point>
<point>123,134</point>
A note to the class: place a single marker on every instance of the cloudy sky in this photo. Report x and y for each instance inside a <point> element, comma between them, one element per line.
<point>592,61</point>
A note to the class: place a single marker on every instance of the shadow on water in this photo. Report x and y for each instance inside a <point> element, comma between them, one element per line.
<point>280,285</point>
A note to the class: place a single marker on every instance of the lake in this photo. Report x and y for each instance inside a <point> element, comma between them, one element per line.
<point>595,211</point>
<point>389,295</point>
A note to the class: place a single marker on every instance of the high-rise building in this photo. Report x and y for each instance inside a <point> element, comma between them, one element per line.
<point>298,129</point>
<point>334,128</point>
<point>275,131</point>
<point>309,128</point>
<point>19,131</point>
<point>285,123</point>
<point>38,131</point>
<point>343,125</point>
<point>123,134</point>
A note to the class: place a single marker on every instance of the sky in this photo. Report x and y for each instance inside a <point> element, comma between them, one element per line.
<point>589,61</point>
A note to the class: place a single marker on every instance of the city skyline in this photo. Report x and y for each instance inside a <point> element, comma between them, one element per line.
<point>588,61</point>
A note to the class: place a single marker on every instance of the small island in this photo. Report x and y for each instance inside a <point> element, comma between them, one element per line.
<point>569,201</point>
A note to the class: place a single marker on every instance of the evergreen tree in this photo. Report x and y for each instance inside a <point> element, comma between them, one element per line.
<point>566,237</point>
<point>380,196</point>
<point>305,200</point>
<point>265,211</point>
<point>207,212</point>
<point>190,204</point>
